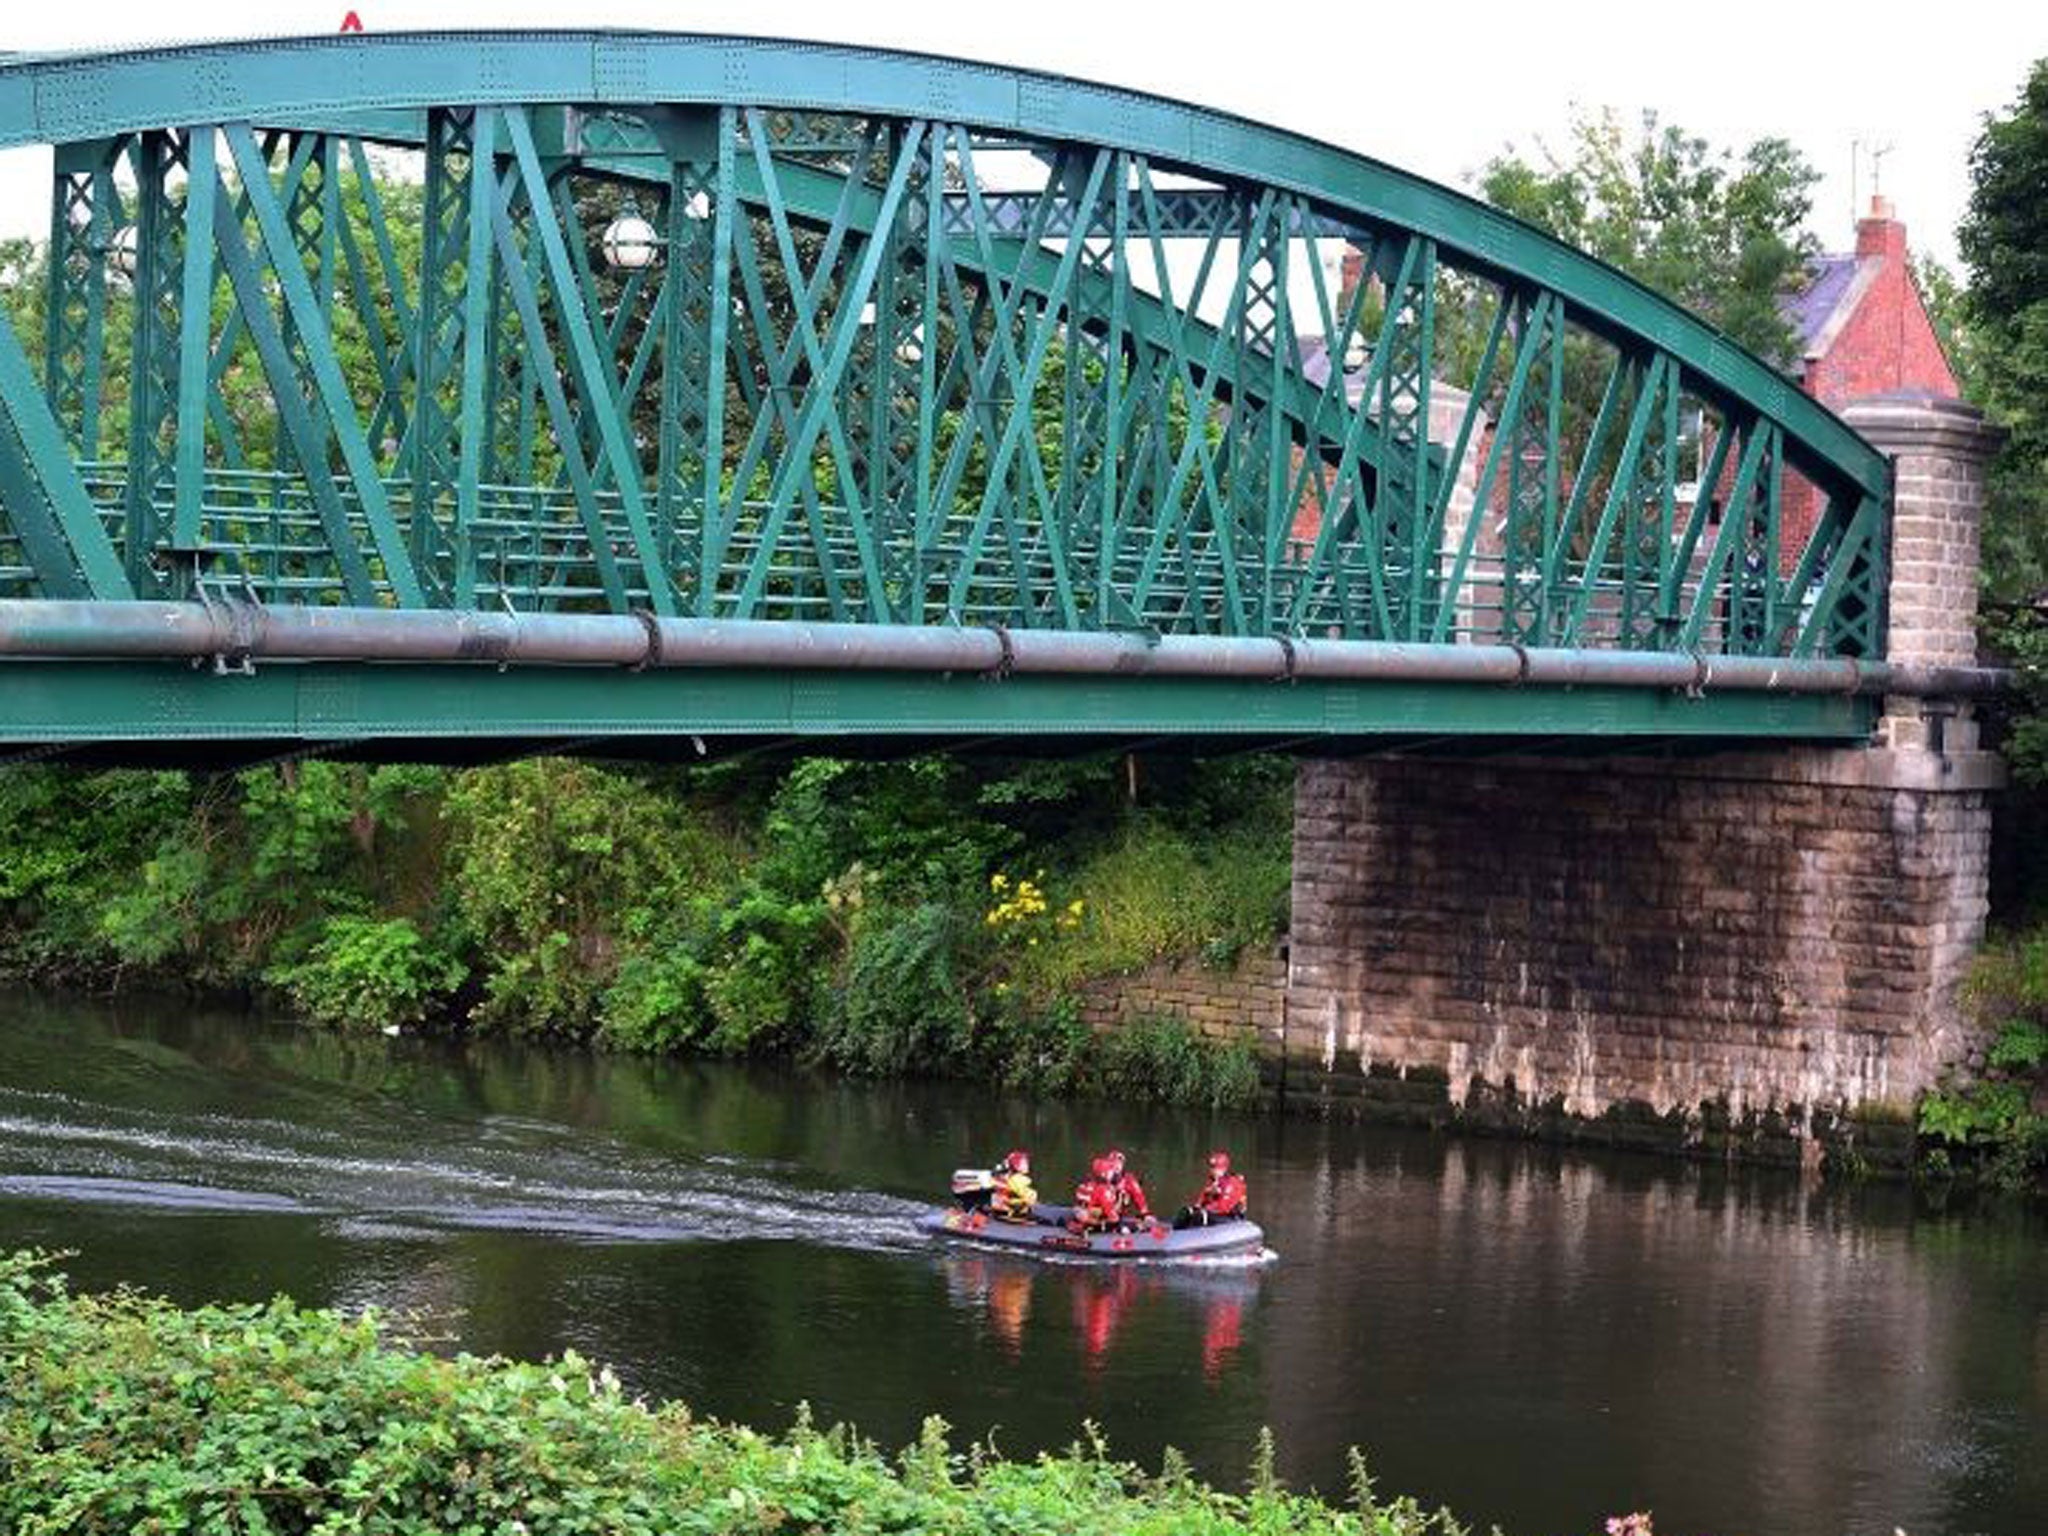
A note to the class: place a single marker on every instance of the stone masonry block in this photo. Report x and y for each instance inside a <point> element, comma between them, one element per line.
<point>1598,944</point>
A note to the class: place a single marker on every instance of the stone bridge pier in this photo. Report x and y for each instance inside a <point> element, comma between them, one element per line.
<point>1758,951</point>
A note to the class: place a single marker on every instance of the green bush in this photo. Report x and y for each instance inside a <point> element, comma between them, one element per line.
<point>902,1004</point>
<point>162,912</point>
<point>367,973</point>
<point>1162,1059</point>
<point>2010,976</point>
<point>2021,1046</point>
<point>1988,1128</point>
<point>1157,1059</point>
<point>1980,1113</point>
<point>1038,1048</point>
<point>770,960</point>
<point>121,1413</point>
<point>660,1001</point>
<point>73,842</point>
<point>1160,893</point>
<point>558,868</point>
<point>913,825</point>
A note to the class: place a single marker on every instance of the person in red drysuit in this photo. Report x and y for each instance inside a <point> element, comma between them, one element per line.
<point>1223,1198</point>
<point>1095,1199</point>
<point>1131,1208</point>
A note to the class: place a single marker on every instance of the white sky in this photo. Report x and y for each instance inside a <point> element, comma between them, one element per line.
<point>1818,72</point>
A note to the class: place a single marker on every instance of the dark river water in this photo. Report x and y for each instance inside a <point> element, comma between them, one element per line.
<point>1535,1338</point>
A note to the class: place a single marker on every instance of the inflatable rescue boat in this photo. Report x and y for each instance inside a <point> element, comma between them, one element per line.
<point>1047,1233</point>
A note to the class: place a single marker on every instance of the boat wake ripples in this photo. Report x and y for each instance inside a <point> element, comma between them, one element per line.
<point>395,1172</point>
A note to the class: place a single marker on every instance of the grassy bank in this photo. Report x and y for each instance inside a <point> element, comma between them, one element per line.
<point>124,1414</point>
<point>923,916</point>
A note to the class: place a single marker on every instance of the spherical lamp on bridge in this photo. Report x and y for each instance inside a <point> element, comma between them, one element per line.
<point>630,243</point>
<point>122,250</point>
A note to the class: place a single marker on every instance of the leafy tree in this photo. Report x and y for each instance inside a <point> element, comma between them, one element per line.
<point>1715,230</point>
<point>99,869</point>
<point>908,822</point>
<point>557,867</point>
<point>2004,245</point>
<point>904,1002</point>
<point>1947,304</point>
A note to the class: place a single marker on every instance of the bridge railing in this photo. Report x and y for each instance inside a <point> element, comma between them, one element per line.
<point>527,550</point>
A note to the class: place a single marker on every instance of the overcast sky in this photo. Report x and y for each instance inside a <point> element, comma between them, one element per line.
<point>1433,88</point>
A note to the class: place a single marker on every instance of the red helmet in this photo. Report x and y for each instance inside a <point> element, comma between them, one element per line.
<point>1018,1161</point>
<point>1102,1168</point>
<point>1219,1162</point>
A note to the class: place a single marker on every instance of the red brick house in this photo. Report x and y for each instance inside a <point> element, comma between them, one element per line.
<point>1862,326</point>
<point>1863,330</point>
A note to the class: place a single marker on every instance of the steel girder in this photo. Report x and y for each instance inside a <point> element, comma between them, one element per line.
<point>406,710</point>
<point>370,356</point>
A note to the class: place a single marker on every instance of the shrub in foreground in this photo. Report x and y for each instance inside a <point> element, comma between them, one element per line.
<point>124,1413</point>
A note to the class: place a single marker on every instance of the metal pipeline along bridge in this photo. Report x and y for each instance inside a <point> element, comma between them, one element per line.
<point>441,394</point>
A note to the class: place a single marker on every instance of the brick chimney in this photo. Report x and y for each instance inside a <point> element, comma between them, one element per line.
<point>1880,234</point>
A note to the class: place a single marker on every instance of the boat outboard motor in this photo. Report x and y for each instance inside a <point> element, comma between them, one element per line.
<point>973,1188</point>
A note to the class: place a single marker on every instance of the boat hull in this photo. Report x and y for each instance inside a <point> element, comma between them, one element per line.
<point>1047,1233</point>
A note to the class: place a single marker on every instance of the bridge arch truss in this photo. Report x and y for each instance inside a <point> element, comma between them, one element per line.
<point>884,341</point>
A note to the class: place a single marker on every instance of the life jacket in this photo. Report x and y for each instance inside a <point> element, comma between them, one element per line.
<point>1095,1203</point>
<point>1224,1196</point>
<point>1014,1195</point>
<point>1131,1198</point>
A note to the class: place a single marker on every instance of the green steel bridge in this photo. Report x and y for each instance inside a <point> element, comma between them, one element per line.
<point>439,393</point>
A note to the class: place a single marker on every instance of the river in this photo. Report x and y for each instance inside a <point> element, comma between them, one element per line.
<point>1534,1337</point>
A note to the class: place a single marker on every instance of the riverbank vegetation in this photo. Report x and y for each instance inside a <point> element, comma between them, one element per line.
<point>1991,1122</point>
<point>928,915</point>
<point>123,1413</point>
<point>1987,1125</point>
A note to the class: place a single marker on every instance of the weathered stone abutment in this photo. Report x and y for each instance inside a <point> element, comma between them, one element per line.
<point>1758,950</point>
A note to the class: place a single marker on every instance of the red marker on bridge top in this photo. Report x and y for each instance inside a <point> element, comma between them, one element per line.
<point>351,22</point>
